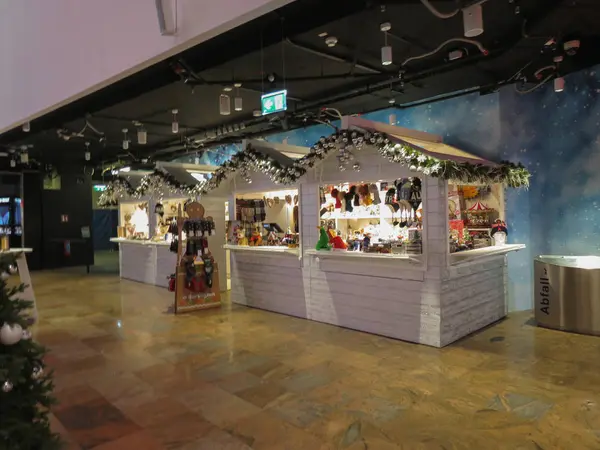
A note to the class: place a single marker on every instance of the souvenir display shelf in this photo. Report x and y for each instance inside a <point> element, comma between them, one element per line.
<point>475,223</point>
<point>196,278</point>
<point>265,222</point>
<point>372,219</point>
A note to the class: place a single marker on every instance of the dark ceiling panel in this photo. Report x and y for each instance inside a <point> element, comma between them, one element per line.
<point>349,76</point>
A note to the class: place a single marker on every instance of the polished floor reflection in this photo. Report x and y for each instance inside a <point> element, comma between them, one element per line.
<point>131,376</point>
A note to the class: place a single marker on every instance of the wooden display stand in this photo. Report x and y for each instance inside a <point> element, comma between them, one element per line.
<point>186,299</point>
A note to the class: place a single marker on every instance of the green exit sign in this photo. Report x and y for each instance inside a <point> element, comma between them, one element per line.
<point>99,187</point>
<point>274,102</point>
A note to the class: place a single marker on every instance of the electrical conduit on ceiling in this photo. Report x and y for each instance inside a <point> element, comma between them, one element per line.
<point>449,15</point>
<point>481,48</point>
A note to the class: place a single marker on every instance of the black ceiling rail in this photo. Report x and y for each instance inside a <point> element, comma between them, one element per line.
<point>322,54</point>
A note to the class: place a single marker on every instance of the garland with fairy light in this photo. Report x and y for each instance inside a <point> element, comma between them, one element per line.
<point>160,183</point>
<point>346,142</point>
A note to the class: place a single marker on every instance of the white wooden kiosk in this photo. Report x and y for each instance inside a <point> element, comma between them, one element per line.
<point>268,277</point>
<point>150,260</point>
<point>434,298</point>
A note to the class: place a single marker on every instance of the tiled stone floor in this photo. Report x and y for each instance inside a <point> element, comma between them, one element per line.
<point>130,376</point>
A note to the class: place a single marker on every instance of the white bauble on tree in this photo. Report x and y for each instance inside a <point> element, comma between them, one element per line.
<point>4,276</point>
<point>10,334</point>
<point>12,269</point>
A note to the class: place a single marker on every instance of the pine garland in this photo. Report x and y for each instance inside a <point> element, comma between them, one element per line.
<point>345,142</point>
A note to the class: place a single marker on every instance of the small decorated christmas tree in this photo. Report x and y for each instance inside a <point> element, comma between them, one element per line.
<point>25,389</point>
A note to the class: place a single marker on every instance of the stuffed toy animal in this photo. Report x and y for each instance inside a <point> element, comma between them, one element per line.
<point>256,239</point>
<point>323,242</point>
<point>336,241</point>
<point>365,195</point>
<point>241,237</point>
<point>272,239</point>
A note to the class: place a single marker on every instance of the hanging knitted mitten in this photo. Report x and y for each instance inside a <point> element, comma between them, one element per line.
<point>390,196</point>
<point>375,193</point>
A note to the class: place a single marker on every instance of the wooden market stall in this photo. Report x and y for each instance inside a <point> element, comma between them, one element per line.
<point>263,232</point>
<point>434,297</point>
<point>148,203</point>
<point>380,247</point>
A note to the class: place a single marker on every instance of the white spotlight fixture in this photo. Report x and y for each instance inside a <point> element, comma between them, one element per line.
<point>331,41</point>
<point>13,163</point>
<point>175,123</point>
<point>142,136</point>
<point>125,140</point>
<point>224,105</point>
<point>27,127</point>
<point>87,154</point>
<point>228,88</point>
<point>386,50</point>
<point>125,169</point>
<point>237,101</point>
<point>24,157</point>
<point>473,20</point>
<point>257,113</point>
<point>559,84</point>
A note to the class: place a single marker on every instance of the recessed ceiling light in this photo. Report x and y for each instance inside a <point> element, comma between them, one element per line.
<point>228,88</point>
<point>323,34</point>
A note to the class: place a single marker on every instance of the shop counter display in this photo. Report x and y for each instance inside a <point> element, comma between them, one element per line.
<point>263,249</point>
<point>145,261</point>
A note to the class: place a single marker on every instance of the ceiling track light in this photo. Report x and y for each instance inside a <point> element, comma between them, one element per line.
<point>142,136</point>
<point>386,50</point>
<point>473,20</point>
<point>125,139</point>
<point>331,41</point>
<point>175,123</point>
<point>224,105</point>
<point>238,103</point>
<point>24,155</point>
<point>13,163</point>
<point>87,154</point>
<point>559,84</point>
<point>27,127</point>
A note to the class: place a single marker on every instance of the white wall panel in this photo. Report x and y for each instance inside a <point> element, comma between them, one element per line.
<point>84,45</point>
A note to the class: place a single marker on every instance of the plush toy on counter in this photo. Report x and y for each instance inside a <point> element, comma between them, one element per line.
<point>241,237</point>
<point>336,241</point>
<point>366,243</point>
<point>323,242</point>
<point>499,232</point>
<point>256,239</point>
<point>272,239</point>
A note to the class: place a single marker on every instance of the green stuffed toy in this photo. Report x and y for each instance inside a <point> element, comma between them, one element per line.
<point>323,242</point>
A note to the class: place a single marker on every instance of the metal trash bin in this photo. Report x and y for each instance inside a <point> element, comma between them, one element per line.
<point>567,293</point>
